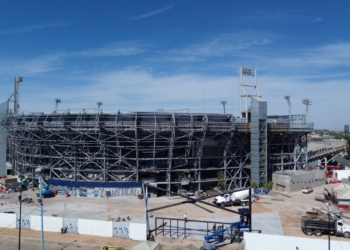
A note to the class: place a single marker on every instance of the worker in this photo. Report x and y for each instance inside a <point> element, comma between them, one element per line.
<point>214,227</point>
<point>185,217</point>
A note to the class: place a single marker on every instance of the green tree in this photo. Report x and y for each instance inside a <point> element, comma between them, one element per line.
<point>221,180</point>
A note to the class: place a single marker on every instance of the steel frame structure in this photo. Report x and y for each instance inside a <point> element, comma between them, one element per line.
<point>174,150</point>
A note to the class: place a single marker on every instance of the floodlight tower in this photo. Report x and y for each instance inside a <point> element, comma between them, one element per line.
<point>247,90</point>
<point>223,104</point>
<point>57,101</point>
<point>287,97</point>
<point>99,104</point>
<point>307,102</point>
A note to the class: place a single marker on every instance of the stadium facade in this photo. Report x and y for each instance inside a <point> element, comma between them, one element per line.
<point>172,150</point>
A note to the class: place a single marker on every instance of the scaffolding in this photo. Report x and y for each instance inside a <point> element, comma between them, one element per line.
<point>173,150</point>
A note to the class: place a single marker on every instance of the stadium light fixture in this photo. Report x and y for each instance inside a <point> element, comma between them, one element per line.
<point>223,104</point>
<point>57,101</point>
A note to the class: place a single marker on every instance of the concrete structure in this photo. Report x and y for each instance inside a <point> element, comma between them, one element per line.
<point>290,181</point>
<point>258,140</point>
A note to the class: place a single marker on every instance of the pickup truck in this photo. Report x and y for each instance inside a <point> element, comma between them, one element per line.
<point>307,190</point>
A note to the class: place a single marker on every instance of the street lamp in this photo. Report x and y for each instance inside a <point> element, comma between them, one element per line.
<point>329,228</point>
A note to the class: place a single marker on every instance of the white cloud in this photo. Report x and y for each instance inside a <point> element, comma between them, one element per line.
<point>224,45</point>
<point>31,28</point>
<point>154,12</point>
<point>117,49</point>
<point>319,19</point>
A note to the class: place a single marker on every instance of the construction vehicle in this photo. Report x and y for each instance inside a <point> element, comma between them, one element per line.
<point>238,198</point>
<point>231,232</point>
<point>108,248</point>
<point>319,224</point>
<point>44,189</point>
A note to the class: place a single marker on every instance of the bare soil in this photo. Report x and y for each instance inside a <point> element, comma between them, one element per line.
<point>290,206</point>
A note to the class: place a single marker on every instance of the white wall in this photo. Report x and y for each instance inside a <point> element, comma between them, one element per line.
<point>254,241</point>
<point>51,224</point>
<point>8,220</point>
<point>342,174</point>
<point>137,231</point>
<point>95,227</point>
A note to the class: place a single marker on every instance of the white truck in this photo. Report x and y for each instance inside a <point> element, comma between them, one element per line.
<point>239,198</point>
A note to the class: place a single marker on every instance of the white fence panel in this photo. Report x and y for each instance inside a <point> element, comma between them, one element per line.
<point>137,231</point>
<point>51,224</point>
<point>95,227</point>
<point>8,220</point>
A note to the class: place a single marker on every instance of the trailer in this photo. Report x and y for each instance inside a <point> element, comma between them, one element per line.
<point>319,225</point>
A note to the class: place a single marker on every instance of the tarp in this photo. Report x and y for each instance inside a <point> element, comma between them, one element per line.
<point>146,245</point>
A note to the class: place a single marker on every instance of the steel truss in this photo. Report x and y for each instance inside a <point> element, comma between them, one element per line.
<point>171,149</point>
<point>287,151</point>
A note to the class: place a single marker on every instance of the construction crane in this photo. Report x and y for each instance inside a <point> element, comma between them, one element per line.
<point>287,97</point>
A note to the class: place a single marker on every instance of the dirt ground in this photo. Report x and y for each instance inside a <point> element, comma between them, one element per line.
<point>290,207</point>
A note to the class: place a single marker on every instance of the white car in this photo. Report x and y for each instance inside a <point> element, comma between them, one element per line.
<point>307,189</point>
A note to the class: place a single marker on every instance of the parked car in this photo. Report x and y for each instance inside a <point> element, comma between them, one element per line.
<point>307,189</point>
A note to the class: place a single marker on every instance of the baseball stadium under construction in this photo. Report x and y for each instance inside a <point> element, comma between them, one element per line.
<point>172,150</point>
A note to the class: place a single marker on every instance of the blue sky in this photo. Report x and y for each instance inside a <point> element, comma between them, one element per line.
<point>177,55</point>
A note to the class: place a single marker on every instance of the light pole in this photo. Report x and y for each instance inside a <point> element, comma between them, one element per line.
<point>23,184</point>
<point>57,101</point>
<point>223,104</point>
<point>41,213</point>
<point>329,228</point>
<point>99,104</point>
<point>20,220</point>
